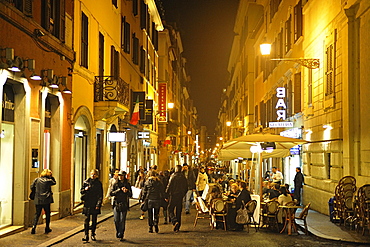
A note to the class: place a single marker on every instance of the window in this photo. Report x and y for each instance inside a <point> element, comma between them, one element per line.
<point>154,36</point>
<point>143,59</point>
<point>135,49</point>
<point>84,40</point>
<point>101,54</point>
<point>115,4</point>
<point>23,5</point>
<point>135,9</point>
<point>309,88</point>
<point>143,15</point>
<point>274,6</point>
<point>126,31</point>
<point>114,63</point>
<point>53,17</point>
<point>329,74</point>
<point>288,34</point>
<point>297,93</point>
<point>298,24</point>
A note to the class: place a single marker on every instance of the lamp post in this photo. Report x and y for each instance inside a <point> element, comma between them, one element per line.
<point>311,63</point>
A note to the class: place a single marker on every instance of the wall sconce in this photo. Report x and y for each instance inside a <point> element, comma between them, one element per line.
<point>327,127</point>
<point>171,105</point>
<point>189,132</point>
<point>311,63</point>
<point>228,123</point>
<point>52,81</point>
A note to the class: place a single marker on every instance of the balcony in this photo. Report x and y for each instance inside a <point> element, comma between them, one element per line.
<point>111,97</point>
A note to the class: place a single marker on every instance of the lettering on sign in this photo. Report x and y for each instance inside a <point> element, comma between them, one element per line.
<point>281,113</point>
<point>143,135</point>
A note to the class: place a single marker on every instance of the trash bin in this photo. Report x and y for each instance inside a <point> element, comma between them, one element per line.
<point>331,208</point>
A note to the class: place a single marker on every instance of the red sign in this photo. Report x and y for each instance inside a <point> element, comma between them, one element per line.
<point>162,102</point>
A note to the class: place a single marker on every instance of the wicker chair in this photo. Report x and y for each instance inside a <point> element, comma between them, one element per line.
<point>268,215</point>
<point>218,212</point>
<point>251,207</point>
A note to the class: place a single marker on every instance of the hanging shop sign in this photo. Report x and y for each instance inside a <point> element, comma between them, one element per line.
<point>280,110</point>
<point>117,136</point>
<point>8,104</point>
<point>143,135</point>
<point>162,102</point>
<point>148,112</point>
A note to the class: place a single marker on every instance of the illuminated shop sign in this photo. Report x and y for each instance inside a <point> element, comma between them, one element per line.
<point>280,110</point>
<point>116,136</point>
<point>162,102</point>
<point>143,135</point>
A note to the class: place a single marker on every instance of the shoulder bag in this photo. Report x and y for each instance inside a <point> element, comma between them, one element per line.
<point>242,217</point>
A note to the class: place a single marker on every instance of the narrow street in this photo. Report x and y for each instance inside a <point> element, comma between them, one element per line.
<point>137,235</point>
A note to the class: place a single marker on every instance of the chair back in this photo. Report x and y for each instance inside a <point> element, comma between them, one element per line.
<point>304,213</point>
<point>291,203</point>
<point>251,206</point>
<point>218,206</point>
<point>272,207</point>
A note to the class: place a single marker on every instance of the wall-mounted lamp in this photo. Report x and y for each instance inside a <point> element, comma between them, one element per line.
<point>171,105</point>
<point>228,123</point>
<point>308,132</point>
<point>52,81</point>
<point>311,63</point>
<point>327,127</point>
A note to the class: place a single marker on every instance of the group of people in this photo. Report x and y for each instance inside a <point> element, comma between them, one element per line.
<point>166,189</point>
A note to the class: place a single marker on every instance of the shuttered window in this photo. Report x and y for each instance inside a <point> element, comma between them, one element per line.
<point>135,49</point>
<point>84,40</point>
<point>125,35</point>
<point>297,93</point>
<point>329,74</point>
<point>298,21</point>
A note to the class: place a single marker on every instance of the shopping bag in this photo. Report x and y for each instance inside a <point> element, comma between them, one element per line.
<point>242,217</point>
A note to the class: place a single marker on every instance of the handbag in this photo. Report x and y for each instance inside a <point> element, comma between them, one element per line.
<point>242,217</point>
<point>144,205</point>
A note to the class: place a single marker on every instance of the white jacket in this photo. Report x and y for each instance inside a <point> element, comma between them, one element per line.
<point>201,182</point>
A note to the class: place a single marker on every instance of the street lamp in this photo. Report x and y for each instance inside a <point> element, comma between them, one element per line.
<point>311,63</point>
<point>228,123</point>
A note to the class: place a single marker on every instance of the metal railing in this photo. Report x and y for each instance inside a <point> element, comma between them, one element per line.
<point>108,88</point>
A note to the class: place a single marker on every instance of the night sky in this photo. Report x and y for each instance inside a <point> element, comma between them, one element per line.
<point>206,28</point>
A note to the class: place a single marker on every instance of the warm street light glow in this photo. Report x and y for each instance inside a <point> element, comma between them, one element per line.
<point>171,105</point>
<point>228,123</point>
<point>221,138</point>
<point>189,132</point>
<point>265,49</point>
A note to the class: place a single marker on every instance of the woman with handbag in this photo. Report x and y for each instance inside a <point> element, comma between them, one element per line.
<point>153,192</point>
<point>92,196</point>
<point>243,198</point>
<point>122,193</point>
<point>43,196</point>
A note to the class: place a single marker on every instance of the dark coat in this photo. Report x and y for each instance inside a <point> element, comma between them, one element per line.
<point>43,194</point>
<point>121,197</point>
<point>298,180</point>
<point>177,186</point>
<point>191,179</point>
<point>153,189</point>
<point>92,197</point>
<point>244,196</point>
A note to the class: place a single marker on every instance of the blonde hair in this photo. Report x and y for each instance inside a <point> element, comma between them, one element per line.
<point>45,173</point>
<point>96,171</point>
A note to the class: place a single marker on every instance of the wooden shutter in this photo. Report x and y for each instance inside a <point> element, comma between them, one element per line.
<point>297,93</point>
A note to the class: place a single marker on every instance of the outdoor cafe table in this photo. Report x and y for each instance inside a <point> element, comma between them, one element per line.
<point>289,218</point>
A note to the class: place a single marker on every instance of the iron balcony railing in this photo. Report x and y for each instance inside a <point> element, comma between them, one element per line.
<point>108,88</point>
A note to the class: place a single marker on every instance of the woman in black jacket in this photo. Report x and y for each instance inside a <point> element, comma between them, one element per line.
<point>92,196</point>
<point>154,192</point>
<point>43,197</point>
<point>122,193</point>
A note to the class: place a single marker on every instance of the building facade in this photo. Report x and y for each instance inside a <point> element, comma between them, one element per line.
<point>313,81</point>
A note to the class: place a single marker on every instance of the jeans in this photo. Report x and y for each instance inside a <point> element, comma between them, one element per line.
<point>187,200</point>
<point>39,208</point>
<point>120,222</point>
<point>94,220</point>
<point>153,212</point>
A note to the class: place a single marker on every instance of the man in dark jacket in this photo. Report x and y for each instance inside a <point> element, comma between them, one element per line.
<point>191,179</point>
<point>298,184</point>
<point>176,190</point>
<point>121,192</point>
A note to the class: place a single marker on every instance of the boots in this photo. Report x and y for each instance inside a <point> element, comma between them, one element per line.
<point>150,229</point>
<point>47,230</point>
<point>86,238</point>
<point>33,231</point>
<point>156,228</point>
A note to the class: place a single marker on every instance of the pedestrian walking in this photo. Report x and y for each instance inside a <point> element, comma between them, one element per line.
<point>153,192</point>
<point>92,196</point>
<point>43,197</point>
<point>176,190</point>
<point>164,177</point>
<point>122,193</point>
<point>140,182</point>
<point>298,184</point>
<point>190,177</point>
<point>112,181</point>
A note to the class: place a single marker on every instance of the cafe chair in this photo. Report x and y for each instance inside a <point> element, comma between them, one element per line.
<point>303,217</point>
<point>268,215</point>
<point>218,213</point>
<point>202,210</point>
<point>251,207</point>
